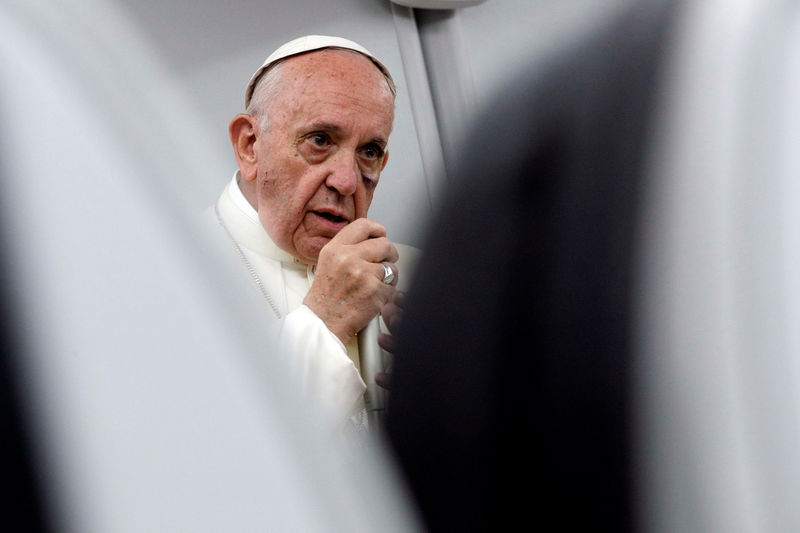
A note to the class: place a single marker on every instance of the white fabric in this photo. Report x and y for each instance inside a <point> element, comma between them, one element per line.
<point>325,367</point>
<point>303,44</point>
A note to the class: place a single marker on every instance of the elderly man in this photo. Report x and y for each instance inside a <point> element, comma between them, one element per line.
<point>310,151</point>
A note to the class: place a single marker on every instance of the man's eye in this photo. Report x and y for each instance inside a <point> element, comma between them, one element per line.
<point>319,139</point>
<point>372,151</point>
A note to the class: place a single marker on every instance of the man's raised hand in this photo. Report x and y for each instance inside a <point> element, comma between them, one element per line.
<point>348,288</point>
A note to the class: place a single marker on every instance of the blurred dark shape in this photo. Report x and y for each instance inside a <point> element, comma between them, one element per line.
<point>511,391</point>
<point>24,498</point>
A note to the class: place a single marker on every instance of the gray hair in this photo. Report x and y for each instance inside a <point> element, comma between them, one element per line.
<point>267,87</point>
<point>266,91</point>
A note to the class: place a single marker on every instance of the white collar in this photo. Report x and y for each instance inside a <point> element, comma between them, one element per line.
<point>237,196</point>
<point>247,228</point>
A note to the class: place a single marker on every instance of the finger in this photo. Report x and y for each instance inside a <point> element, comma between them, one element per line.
<point>360,230</point>
<point>383,295</point>
<point>386,342</point>
<point>392,315</point>
<point>399,299</point>
<point>388,273</point>
<point>395,304</point>
<point>389,310</point>
<point>377,250</point>
<point>383,379</point>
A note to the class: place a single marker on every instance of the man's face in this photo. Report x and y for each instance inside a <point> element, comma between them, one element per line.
<point>323,151</point>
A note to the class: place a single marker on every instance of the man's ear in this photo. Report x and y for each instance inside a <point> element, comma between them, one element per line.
<point>243,131</point>
<point>385,160</point>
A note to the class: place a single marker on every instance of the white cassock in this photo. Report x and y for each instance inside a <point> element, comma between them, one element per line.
<point>328,369</point>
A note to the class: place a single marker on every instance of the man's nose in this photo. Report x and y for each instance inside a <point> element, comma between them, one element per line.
<point>343,173</point>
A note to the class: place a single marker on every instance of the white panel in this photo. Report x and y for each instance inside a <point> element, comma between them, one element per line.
<point>449,71</point>
<point>422,106</point>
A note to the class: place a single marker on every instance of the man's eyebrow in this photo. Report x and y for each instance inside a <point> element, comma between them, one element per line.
<point>325,126</point>
<point>380,141</point>
<point>335,128</point>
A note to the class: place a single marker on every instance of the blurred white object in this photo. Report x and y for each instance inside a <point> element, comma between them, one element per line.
<point>159,401</point>
<point>720,298</point>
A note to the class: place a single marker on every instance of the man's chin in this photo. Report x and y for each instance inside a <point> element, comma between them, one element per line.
<point>308,252</point>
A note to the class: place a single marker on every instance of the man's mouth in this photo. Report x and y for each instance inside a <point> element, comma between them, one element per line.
<point>331,216</point>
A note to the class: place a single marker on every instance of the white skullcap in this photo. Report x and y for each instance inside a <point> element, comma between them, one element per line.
<point>307,44</point>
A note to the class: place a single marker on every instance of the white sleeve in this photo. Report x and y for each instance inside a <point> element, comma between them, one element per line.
<point>319,358</point>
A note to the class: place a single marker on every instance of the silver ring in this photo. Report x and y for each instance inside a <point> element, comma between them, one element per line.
<point>388,274</point>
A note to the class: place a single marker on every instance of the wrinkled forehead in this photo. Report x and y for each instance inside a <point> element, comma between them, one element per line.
<point>337,64</point>
<point>330,82</point>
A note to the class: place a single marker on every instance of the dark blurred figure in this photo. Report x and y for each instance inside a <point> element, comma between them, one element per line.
<point>24,504</point>
<point>510,401</point>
